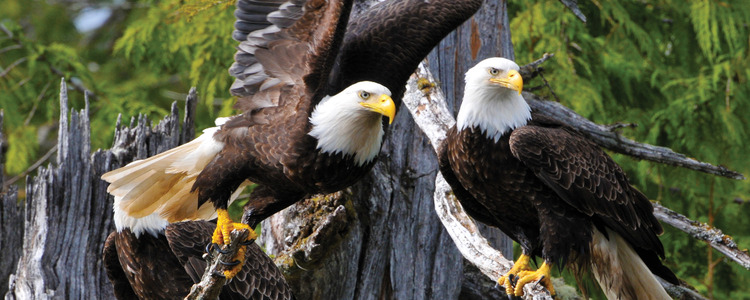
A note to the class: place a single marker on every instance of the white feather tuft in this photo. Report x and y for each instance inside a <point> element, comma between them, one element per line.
<point>493,109</point>
<point>152,192</point>
<point>620,271</point>
<point>342,125</point>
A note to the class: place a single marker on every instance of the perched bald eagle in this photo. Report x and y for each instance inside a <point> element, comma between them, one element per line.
<point>314,91</point>
<point>167,265</point>
<point>550,189</point>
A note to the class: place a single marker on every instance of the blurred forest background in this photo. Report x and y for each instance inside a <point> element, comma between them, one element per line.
<point>677,69</point>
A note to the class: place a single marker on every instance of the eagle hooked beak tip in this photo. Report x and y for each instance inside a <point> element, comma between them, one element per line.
<point>513,81</point>
<point>383,105</point>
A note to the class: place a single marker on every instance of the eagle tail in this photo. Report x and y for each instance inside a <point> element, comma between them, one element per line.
<point>151,192</point>
<point>620,271</point>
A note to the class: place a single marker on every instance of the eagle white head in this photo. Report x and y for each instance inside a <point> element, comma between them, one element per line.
<point>350,121</point>
<point>492,98</point>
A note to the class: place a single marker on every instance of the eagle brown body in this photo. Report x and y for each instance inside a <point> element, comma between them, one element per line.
<point>578,186</point>
<point>269,144</point>
<point>165,267</point>
<point>550,189</point>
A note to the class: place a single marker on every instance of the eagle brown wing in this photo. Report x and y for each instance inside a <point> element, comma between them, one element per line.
<point>258,279</point>
<point>291,68</point>
<point>284,43</point>
<point>588,179</point>
<point>115,273</point>
<point>385,43</point>
<point>143,267</point>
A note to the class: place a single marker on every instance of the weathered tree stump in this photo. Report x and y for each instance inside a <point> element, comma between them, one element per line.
<point>68,213</point>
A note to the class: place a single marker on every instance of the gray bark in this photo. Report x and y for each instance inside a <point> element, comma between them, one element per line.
<point>11,216</point>
<point>68,213</point>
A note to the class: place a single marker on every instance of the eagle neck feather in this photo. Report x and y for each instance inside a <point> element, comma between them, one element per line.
<point>494,110</point>
<point>342,126</point>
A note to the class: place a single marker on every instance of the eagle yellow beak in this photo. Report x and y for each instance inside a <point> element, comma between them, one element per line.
<point>512,81</point>
<point>383,105</point>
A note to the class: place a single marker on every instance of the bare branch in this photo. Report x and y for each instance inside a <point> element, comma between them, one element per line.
<point>573,6</point>
<point>532,69</point>
<point>213,277</point>
<point>33,167</point>
<point>701,231</point>
<point>615,142</point>
<point>11,66</point>
<point>680,292</point>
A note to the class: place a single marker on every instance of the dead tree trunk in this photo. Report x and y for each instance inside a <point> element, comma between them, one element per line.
<point>68,213</point>
<point>11,219</point>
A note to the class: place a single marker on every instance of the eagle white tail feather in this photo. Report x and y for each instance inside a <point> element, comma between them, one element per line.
<point>620,271</point>
<point>153,192</point>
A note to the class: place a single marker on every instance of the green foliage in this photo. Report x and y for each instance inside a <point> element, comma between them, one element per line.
<point>680,71</point>
<point>147,55</point>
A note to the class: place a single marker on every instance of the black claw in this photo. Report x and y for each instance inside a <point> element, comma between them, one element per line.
<point>209,247</point>
<point>218,248</point>
<point>513,279</point>
<point>218,274</point>
<point>247,243</point>
<point>540,279</point>
<point>233,263</point>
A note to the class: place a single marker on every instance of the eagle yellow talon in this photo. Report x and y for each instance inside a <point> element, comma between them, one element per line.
<point>224,227</point>
<point>542,275</point>
<point>236,269</point>
<point>221,236</point>
<point>522,264</point>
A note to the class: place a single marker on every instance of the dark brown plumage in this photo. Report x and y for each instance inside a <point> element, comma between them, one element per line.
<point>543,183</point>
<point>382,45</point>
<point>313,92</point>
<point>165,267</point>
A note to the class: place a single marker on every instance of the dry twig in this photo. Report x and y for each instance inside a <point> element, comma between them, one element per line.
<point>213,280</point>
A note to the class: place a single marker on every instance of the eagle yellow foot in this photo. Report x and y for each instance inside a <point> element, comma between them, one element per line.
<point>224,227</point>
<point>541,276</point>
<point>508,280</point>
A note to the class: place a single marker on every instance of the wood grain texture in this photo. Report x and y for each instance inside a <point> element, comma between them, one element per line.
<point>67,198</point>
<point>11,215</point>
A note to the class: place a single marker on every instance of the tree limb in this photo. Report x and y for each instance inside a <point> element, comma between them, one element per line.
<point>213,280</point>
<point>601,135</point>
<point>701,231</point>
<point>573,6</point>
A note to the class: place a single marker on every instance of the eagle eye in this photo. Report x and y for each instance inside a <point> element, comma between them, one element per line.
<point>494,72</point>
<point>364,95</point>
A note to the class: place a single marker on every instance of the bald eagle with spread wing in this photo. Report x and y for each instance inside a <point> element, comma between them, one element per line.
<point>314,88</point>
<point>550,189</point>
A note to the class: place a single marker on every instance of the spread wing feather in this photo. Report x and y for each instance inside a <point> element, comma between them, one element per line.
<point>282,42</point>
<point>588,179</point>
